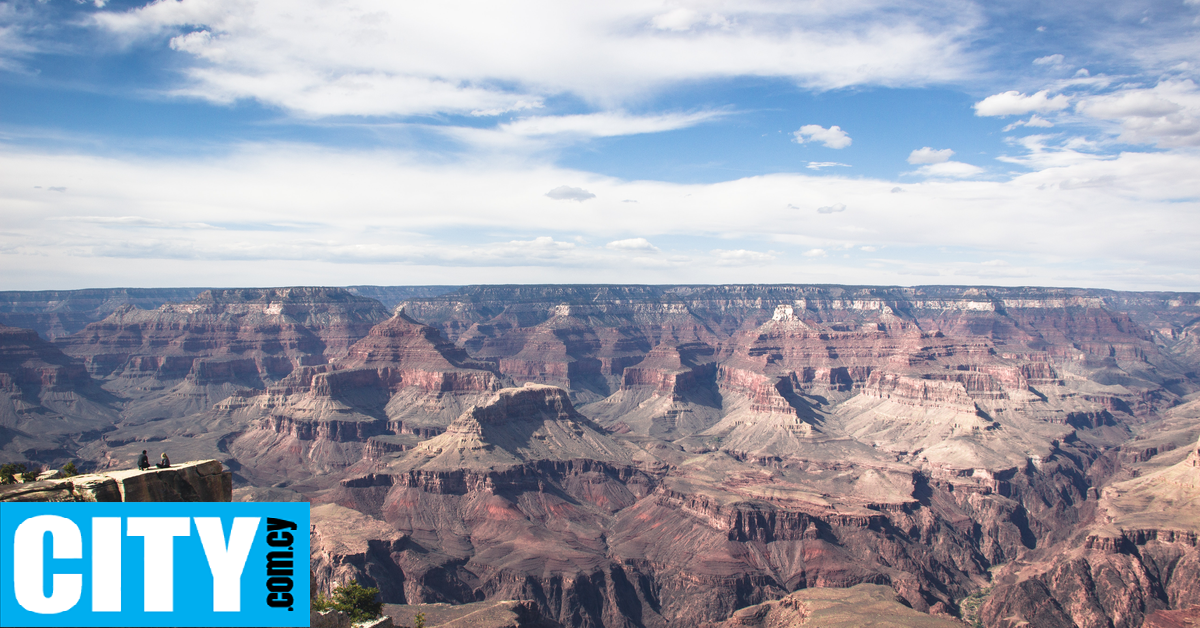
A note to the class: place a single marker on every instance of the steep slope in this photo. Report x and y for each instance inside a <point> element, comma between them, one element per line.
<point>670,394</point>
<point>55,314</point>
<point>48,403</point>
<point>401,379</point>
<point>183,357</point>
<point>1137,554</point>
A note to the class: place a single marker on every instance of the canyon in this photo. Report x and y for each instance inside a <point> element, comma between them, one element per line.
<point>622,455</point>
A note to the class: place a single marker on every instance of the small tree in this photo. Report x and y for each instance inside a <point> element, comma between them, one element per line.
<point>69,469</point>
<point>358,602</point>
<point>419,620</point>
<point>9,473</point>
<point>321,603</point>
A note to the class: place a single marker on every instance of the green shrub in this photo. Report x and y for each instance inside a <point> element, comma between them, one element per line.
<point>321,603</point>
<point>358,602</point>
<point>69,469</point>
<point>9,473</point>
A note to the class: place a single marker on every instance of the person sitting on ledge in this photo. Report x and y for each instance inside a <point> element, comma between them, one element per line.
<point>144,461</point>
<point>164,462</point>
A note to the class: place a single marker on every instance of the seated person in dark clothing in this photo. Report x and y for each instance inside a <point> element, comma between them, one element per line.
<point>164,462</point>
<point>144,461</point>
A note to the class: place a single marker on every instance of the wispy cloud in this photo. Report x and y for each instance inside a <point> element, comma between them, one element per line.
<point>607,124</point>
<point>817,165</point>
<point>407,59</point>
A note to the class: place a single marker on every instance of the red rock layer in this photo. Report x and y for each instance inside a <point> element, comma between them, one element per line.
<point>249,336</point>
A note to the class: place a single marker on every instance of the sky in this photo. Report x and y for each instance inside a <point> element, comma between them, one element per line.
<point>346,142</point>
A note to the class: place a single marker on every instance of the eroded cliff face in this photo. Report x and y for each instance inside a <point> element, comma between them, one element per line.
<point>49,405</point>
<point>1138,554</point>
<point>680,453</point>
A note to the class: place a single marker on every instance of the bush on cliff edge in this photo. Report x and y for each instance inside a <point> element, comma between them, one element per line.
<point>358,602</point>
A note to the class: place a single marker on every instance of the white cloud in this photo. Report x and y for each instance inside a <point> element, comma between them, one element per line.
<point>372,58</point>
<point>1014,103</point>
<point>833,137</point>
<point>607,124</point>
<point>832,209</point>
<point>680,19</point>
<point>568,193</point>
<point>952,169</point>
<point>815,253</point>
<point>742,257</point>
<point>520,105</point>
<point>1033,121</point>
<point>1167,114</point>
<point>1122,221</point>
<point>1050,60</point>
<point>929,155</point>
<point>817,165</point>
<point>632,244</point>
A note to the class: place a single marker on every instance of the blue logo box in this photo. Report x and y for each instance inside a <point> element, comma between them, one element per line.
<point>154,564</point>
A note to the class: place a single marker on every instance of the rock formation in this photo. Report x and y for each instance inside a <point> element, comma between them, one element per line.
<point>49,405</point>
<point>195,481</point>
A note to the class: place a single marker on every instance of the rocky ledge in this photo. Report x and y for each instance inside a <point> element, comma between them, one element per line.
<point>194,481</point>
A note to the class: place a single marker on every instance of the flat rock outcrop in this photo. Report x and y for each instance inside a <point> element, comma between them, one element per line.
<point>490,614</point>
<point>196,481</point>
<point>861,605</point>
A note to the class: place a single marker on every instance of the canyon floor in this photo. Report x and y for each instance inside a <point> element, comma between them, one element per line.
<point>621,456</point>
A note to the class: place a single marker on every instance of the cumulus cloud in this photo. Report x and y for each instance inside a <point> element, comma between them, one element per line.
<point>832,209</point>
<point>632,244</point>
<point>1167,114</point>
<point>816,253</point>
<point>1014,103</point>
<point>929,155</point>
<point>568,193</point>
<point>833,137</point>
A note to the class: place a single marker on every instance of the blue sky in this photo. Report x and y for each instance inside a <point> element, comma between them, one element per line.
<point>283,142</point>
